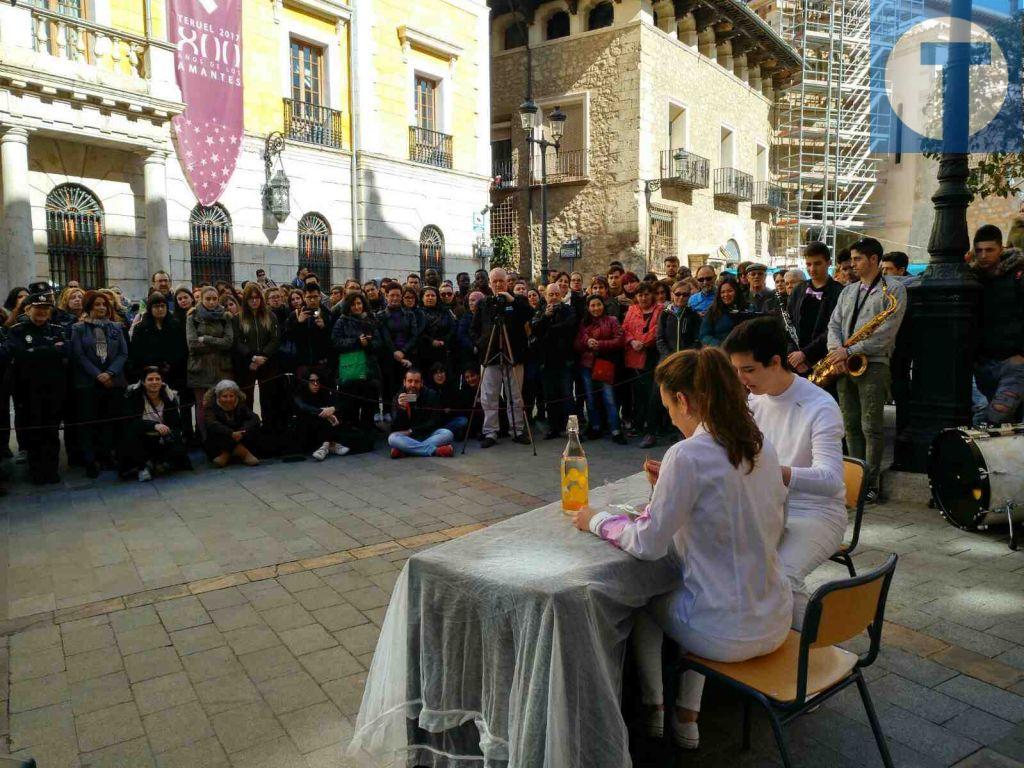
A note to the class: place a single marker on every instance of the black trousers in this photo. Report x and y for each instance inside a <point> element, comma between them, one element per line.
<point>312,432</point>
<point>37,419</point>
<point>645,420</point>
<point>358,402</point>
<point>273,394</point>
<point>98,411</point>
<point>556,378</point>
<point>141,448</point>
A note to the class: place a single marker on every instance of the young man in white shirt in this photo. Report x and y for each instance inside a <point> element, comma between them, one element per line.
<point>804,424</point>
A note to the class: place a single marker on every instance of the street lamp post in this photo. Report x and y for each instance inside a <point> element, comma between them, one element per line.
<point>943,304</point>
<point>528,111</point>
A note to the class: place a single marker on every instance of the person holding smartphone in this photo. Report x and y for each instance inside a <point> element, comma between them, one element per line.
<point>417,415</point>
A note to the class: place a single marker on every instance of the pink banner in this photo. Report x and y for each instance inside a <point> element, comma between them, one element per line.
<point>208,38</point>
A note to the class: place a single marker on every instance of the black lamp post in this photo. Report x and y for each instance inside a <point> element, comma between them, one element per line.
<point>528,111</point>
<point>944,303</point>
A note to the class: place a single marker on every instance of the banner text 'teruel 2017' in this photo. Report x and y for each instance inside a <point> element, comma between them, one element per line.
<point>208,37</point>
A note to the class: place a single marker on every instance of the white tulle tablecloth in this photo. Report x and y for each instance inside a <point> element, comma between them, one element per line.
<point>504,648</point>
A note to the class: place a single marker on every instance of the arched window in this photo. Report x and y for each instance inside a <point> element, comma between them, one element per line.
<point>431,251</point>
<point>601,15</point>
<point>75,237</point>
<point>515,35</point>
<point>315,246</point>
<point>210,244</point>
<point>733,249</point>
<point>558,25</point>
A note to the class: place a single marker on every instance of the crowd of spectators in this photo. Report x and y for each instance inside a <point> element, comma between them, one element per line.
<point>245,372</point>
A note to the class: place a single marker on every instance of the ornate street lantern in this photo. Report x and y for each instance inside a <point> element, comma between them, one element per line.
<point>277,190</point>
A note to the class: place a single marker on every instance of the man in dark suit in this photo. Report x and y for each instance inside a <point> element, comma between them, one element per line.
<point>810,306</point>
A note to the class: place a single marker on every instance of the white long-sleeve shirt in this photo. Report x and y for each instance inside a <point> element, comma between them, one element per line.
<point>806,427</point>
<point>724,524</point>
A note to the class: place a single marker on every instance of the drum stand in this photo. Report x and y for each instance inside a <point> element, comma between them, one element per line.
<point>507,380</point>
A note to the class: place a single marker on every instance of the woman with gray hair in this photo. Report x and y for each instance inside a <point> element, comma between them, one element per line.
<point>232,430</point>
<point>791,280</point>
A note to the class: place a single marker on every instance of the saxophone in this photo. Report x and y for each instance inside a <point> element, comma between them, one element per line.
<point>824,373</point>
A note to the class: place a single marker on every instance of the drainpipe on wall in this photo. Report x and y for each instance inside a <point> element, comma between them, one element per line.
<point>147,15</point>
<point>353,70</point>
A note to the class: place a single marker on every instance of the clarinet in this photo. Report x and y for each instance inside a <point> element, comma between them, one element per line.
<point>787,321</point>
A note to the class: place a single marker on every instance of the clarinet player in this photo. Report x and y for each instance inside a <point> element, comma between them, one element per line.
<point>862,398</point>
<point>810,306</point>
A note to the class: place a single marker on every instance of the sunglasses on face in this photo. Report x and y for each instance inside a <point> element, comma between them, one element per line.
<point>705,279</point>
<point>680,295</point>
<point>447,293</point>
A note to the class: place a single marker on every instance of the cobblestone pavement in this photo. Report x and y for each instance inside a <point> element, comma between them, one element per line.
<point>228,618</point>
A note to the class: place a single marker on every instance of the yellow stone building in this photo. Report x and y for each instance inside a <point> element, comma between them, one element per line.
<point>383,107</point>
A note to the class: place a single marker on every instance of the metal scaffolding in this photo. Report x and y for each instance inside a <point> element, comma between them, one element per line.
<point>824,140</point>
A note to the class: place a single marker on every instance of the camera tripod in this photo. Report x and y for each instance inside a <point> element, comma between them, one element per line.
<point>507,380</point>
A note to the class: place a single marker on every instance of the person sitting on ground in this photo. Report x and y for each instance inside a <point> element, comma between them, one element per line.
<point>232,430</point>
<point>718,500</point>
<point>448,394</point>
<point>152,441</point>
<point>317,412</point>
<point>416,422</point>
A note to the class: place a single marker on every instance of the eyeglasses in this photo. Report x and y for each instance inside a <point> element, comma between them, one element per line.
<point>447,293</point>
<point>705,279</point>
<point>680,295</point>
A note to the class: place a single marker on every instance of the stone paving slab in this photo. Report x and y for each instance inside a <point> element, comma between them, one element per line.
<point>259,656</point>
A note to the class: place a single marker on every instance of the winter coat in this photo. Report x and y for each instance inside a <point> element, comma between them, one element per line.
<point>37,357</point>
<point>163,347</point>
<point>345,338</point>
<point>608,333</point>
<point>220,424</point>
<point>135,397</point>
<point>258,340</point>
<point>677,332</point>
<point>645,330</point>
<point>714,331</point>
<point>406,339</point>
<point>1001,324</point>
<point>554,334</point>
<point>422,417</point>
<point>438,325</point>
<point>312,343</point>
<point>85,360</point>
<point>209,360</point>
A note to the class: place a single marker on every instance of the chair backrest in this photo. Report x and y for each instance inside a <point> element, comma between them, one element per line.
<point>854,472</point>
<point>841,610</point>
<point>853,477</point>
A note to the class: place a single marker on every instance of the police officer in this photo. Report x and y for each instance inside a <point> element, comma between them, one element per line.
<point>38,380</point>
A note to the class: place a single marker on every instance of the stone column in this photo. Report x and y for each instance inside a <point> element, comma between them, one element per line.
<point>18,268</point>
<point>158,244</point>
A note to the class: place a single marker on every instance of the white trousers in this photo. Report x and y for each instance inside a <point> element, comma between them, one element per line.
<point>490,394</point>
<point>807,542</point>
<point>649,630</point>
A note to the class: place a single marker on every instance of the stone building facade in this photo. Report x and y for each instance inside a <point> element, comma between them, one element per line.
<point>660,107</point>
<point>88,92</point>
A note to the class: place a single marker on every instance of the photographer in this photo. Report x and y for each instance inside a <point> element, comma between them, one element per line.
<point>499,317</point>
<point>309,329</point>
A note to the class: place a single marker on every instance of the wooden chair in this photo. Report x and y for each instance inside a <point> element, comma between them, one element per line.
<point>809,668</point>
<point>853,475</point>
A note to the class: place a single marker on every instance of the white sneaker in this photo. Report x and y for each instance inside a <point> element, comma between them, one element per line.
<point>654,722</point>
<point>320,453</point>
<point>337,449</point>
<point>145,475</point>
<point>685,735</point>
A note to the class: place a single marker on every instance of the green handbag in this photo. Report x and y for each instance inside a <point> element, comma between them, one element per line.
<point>353,366</point>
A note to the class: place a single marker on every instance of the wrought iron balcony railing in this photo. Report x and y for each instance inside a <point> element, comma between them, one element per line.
<point>683,169</point>
<point>312,123</point>
<point>732,184</point>
<point>430,147</point>
<point>563,167</point>
<point>767,196</point>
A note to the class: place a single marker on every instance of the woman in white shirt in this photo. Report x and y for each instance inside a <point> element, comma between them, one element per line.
<point>718,509</point>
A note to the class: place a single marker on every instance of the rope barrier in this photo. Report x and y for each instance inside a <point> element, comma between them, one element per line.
<point>339,393</point>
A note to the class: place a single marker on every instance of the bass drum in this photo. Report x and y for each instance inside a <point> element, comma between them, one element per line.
<point>977,475</point>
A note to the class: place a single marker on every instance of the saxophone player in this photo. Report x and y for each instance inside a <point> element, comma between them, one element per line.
<point>862,397</point>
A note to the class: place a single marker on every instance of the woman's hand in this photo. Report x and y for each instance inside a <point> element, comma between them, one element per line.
<point>592,343</point>
<point>364,340</point>
<point>326,413</point>
<point>582,518</point>
<point>653,468</point>
<point>438,343</point>
<point>259,360</point>
<point>237,436</point>
<point>787,475</point>
<point>637,345</point>
<point>163,430</point>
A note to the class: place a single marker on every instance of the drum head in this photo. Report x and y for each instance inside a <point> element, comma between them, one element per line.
<point>959,478</point>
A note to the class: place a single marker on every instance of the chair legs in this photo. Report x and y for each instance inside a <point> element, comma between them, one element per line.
<point>780,737</point>
<point>876,728</point>
<point>844,558</point>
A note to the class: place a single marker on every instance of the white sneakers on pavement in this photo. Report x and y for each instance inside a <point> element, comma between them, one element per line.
<point>334,449</point>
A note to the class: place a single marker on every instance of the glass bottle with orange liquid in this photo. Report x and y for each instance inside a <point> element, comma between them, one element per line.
<point>575,474</point>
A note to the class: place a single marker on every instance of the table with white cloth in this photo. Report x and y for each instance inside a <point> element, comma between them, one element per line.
<point>505,647</point>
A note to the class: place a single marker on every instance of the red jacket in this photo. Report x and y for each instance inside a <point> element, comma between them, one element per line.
<point>606,330</point>
<point>636,328</point>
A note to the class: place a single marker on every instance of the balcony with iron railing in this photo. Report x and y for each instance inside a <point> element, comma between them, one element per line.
<point>312,123</point>
<point>683,169</point>
<point>767,197</point>
<point>567,166</point>
<point>430,147</point>
<point>79,58</point>
<point>733,185</point>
